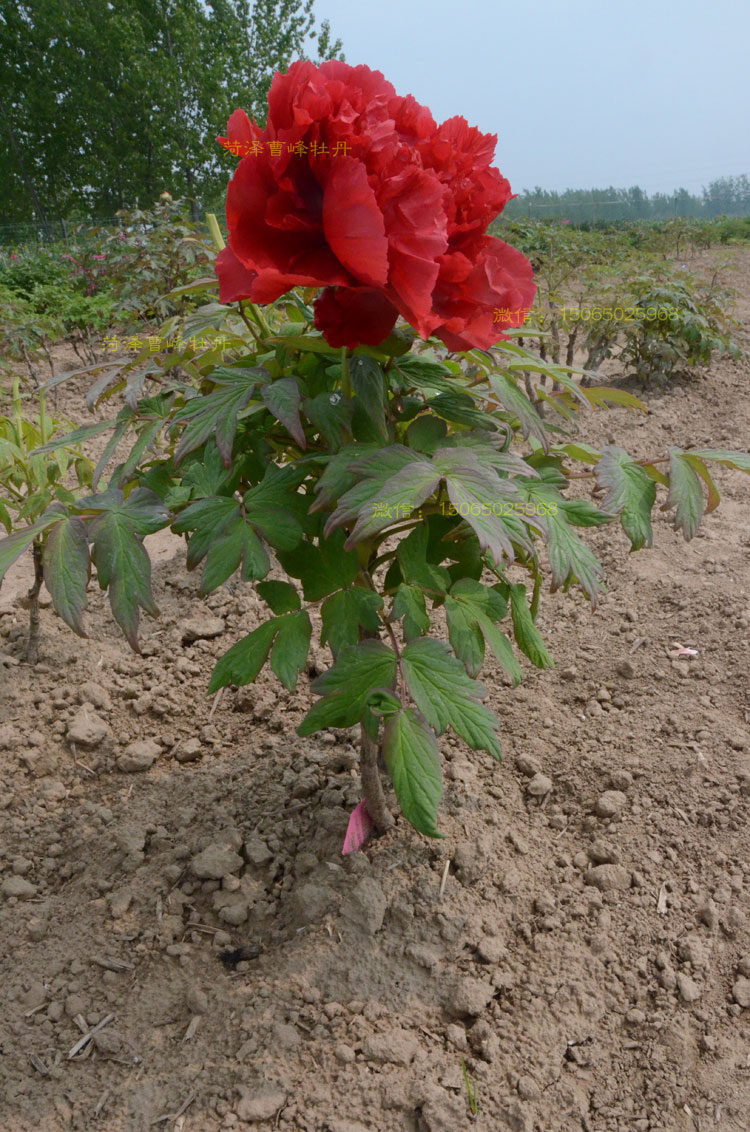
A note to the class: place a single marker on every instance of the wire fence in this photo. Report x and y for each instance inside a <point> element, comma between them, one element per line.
<point>58,231</point>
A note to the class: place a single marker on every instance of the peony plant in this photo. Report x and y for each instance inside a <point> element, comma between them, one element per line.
<point>363,449</point>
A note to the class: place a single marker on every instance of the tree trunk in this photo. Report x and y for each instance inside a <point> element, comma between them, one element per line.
<point>32,649</point>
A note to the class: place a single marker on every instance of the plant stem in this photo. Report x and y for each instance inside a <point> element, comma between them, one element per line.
<point>32,649</point>
<point>372,787</point>
<point>346,383</point>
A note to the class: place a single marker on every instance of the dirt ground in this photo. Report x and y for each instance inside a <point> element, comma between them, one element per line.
<point>578,945</point>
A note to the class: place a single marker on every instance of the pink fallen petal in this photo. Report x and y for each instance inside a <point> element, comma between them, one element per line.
<point>358,829</point>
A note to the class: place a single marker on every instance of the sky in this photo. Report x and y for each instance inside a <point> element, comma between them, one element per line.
<point>580,94</point>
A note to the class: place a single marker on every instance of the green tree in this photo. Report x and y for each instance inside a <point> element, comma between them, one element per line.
<point>103,106</point>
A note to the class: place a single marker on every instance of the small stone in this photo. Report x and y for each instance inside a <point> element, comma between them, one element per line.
<point>442,1111</point>
<point>256,851</point>
<point>21,866</point>
<point>694,950</point>
<point>235,914</point>
<point>138,756</point>
<point>603,695</point>
<point>396,1047</point>
<point>528,1090</point>
<point>196,1000</point>
<point>569,674</point>
<point>469,996</point>
<point>87,729</point>
<point>602,853</point>
<point>743,966</point>
<point>215,862</point>
<point>688,989</point>
<point>202,628</point>
<point>539,786</point>
<point>189,751</point>
<point>608,878</point>
<point>528,765</point>
<point>708,914</point>
<point>426,956</point>
<point>366,905</point>
<point>455,1035</point>
<point>75,1004</point>
<point>741,992</point>
<point>344,1053</point>
<point>635,1017</point>
<point>119,902</point>
<point>256,1106</point>
<point>94,694</point>
<point>491,949</point>
<point>19,887</point>
<point>621,780</point>
<point>610,803</point>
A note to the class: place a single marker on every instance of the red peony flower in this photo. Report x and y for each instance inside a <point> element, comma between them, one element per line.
<point>354,188</point>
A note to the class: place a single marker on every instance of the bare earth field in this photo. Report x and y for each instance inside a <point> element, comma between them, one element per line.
<point>588,957</point>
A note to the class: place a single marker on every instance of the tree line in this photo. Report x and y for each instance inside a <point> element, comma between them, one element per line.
<point>726,196</point>
<point>106,103</point>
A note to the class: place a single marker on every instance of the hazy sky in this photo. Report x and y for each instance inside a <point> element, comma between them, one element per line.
<point>580,94</point>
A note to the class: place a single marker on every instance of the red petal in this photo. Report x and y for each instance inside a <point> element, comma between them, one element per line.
<point>353,223</point>
<point>354,316</point>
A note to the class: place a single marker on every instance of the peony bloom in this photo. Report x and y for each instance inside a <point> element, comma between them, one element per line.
<point>356,189</point>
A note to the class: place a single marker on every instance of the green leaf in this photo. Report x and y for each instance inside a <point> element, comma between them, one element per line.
<point>215,414</point>
<point>290,649</point>
<point>323,568</point>
<point>237,544</point>
<point>685,494</point>
<point>5,518</point>
<point>383,703</point>
<point>570,559</point>
<point>416,569</point>
<point>603,395</point>
<point>398,497</point>
<point>122,564</point>
<point>242,663</point>
<point>446,696</point>
<point>338,477</point>
<point>528,637</point>
<point>345,612</point>
<point>368,383</point>
<point>280,596</point>
<point>424,373</point>
<point>409,603</point>
<point>207,519</point>
<point>464,634</point>
<point>331,414</point>
<point>472,610</point>
<point>370,474</point>
<point>739,460</point>
<point>87,432</point>
<point>411,754</point>
<point>459,408</point>
<point>480,497</point>
<point>14,545</point>
<point>515,401</point>
<point>283,398</point>
<point>346,686</point>
<point>631,494</point>
<point>67,570</point>
<point>276,508</point>
<point>426,433</point>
